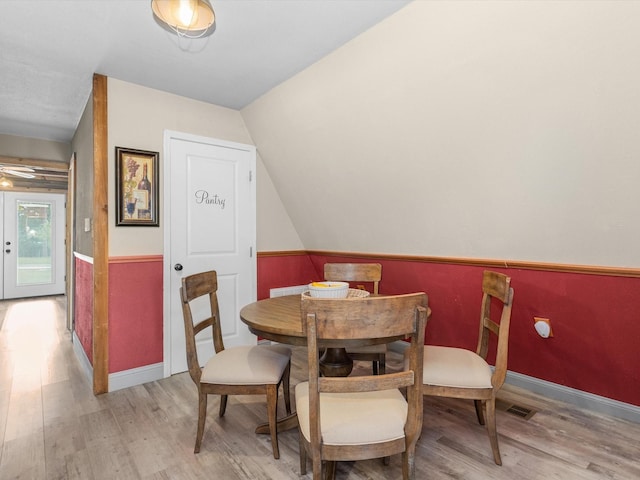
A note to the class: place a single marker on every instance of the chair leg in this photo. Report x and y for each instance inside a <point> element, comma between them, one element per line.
<point>317,467</point>
<point>223,405</point>
<point>303,454</point>
<point>285,388</point>
<point>409,464</point>
<point>379,364</point>
<point>479,404</point>
<point>272,406</point>
<point>202,417</point>
<point>330,468</point>
<point>491,429</point>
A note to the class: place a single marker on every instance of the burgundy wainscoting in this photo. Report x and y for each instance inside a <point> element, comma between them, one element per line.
<point>135,312</point>
<point>595,322</point>
<point>595,317</point>
<point>83,305</point>
<point>284,270</point>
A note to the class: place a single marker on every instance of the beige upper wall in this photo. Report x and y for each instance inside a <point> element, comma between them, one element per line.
<point>274,228</point>
<point>82,145</point>
<point>475,129</point>
<point>138,117</point>
<point>34,148</point>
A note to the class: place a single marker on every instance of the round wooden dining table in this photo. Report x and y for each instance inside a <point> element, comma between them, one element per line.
<point>279,319</point>
<point>276,319</point>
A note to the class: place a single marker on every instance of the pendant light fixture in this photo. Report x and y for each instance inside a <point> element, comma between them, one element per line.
<point>186,18</point>
<point>5,182</point>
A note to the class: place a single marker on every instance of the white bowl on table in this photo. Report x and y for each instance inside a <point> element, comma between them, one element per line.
<point>329,289</point>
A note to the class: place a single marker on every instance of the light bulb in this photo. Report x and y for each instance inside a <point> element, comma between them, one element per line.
<point>187,13</point>
<point>186,18</point>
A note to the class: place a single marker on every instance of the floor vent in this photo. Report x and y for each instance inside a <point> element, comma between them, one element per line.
<point>520,411</point>
<point>517,410</point>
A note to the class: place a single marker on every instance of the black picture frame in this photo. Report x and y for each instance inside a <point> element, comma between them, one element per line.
<point>137,181</point>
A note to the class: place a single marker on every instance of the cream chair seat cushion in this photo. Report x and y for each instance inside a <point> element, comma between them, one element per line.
<point>455,367</point>
<point>247,365</point>
<point>355,418</point>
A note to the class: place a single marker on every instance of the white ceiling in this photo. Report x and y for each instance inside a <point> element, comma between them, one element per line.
<point>49,50</point>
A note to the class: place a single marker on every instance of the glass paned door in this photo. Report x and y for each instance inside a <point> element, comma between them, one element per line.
<point>33,248</point>
<point>33,244</point>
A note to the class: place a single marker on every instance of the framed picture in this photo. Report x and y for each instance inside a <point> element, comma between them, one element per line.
<point>136,188</point>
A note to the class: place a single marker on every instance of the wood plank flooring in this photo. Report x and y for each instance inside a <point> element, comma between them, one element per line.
<point>53,427</point>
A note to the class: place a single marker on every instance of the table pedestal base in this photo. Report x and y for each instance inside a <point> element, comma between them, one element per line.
<point>336,362</point>
<point>282,425</point>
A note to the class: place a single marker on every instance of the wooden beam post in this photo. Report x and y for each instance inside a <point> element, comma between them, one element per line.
<point>100,238</point>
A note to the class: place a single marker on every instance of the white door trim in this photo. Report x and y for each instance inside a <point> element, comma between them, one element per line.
<point>167,269</point>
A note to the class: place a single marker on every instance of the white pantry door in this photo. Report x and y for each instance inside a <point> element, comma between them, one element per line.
<point>210,224</point>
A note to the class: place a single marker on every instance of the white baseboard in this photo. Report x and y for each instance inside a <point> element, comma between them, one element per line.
<point>579,398</point>
<point>119,380</point>
<point>81,355</point>
<point>136,376</point>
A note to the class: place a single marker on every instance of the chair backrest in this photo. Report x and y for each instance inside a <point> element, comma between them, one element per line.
<point>496,288</point>
<point>352,319</point>
<point>193,287</point>
<point>354,272</point>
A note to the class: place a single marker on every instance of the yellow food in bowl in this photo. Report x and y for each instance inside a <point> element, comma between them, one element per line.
<point>329,289</point>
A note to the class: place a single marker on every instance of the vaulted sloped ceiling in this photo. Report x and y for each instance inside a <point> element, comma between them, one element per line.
<point>467,129</point>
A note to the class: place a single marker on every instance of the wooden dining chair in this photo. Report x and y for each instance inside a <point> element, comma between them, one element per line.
<point>242,370</point>
<point>460,373</point>
<point>369,273</point>
<point>361,417</point>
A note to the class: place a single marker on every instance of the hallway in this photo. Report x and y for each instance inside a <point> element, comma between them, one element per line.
<point>41,386</point>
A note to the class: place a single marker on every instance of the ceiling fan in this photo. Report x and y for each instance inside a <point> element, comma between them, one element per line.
<point>17,171</point>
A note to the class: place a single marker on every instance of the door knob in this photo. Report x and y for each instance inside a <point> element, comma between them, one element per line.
<point>177,267</point>
<point>8,250</point>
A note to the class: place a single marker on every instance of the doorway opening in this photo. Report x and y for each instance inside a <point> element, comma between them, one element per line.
<point>33,235</point>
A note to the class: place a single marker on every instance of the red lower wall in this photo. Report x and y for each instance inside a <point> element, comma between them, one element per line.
<point>83,305</point>
<point>595,318</point>
<point>136,303</point>
<point>135,313</point>
<point>284,271</point>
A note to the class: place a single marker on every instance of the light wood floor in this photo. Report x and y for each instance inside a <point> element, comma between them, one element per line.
<point>53,427</point>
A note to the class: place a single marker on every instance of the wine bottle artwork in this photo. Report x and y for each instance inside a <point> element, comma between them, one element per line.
<point>137,187</point>
<point>144,187</point>
<point>131,207</point>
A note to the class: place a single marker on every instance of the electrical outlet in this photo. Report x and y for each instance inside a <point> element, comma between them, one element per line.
<point>543,327</point>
